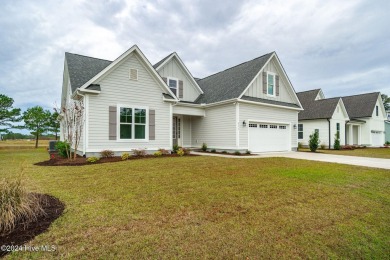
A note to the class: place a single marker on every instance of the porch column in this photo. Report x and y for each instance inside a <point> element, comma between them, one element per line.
<point>350,138</point>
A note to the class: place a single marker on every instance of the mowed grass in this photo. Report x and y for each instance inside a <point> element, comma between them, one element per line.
<point>365,152</point>
<point>208,207</point>
<point>22,144</point>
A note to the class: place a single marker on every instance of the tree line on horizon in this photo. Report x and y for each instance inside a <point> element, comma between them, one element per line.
<point>36,119</point>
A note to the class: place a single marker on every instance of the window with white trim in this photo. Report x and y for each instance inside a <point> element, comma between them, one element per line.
<point>253,125</point>
<point>300,131</point>
<point>270,84</point>
<point>282,127</point>
<point>173,85</point>
<point>273,126</point>
<point>132,123</point>
<point>263,126</point>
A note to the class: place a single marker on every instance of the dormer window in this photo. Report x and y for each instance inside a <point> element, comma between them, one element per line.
<point>173,85</point>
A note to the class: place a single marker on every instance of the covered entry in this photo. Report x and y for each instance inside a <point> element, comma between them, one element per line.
<point>269,137</point>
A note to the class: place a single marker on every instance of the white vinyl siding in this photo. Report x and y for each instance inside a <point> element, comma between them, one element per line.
<point>173,69</point>
<point>118,89</point>
<point>249,112</point>
<point>285,92</point>
<point>217,128</point>
<point>309,126</point>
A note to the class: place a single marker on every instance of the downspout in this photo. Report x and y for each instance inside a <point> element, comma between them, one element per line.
<point>329,132</point>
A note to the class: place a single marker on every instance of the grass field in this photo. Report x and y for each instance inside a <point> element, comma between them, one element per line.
<point>207,207</point>
<point>22,144</point>
<point>366,152</point>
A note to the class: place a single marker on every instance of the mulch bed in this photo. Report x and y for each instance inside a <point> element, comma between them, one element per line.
<point>242,154</point>
<point>80,161</point>
<point>53,208</point>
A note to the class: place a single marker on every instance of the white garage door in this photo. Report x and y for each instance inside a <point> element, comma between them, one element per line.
<point>266,137</point>
<point>377,138</point>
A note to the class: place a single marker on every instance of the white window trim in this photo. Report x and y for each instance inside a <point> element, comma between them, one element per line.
<point>274,89</point>
<point>300,132</point>
<point>177,85</point>
<point>118,111</point>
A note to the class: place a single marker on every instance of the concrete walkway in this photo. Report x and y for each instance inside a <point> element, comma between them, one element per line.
<point>351,160</point>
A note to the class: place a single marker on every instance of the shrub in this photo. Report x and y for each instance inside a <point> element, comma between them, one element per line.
<point>163,151</point>
<point>387,143</point>
<point>63,148</point>
<point>139,152</point>
<point>107,154</point>
<point>175,148</point>
<point>92,159</point>
<point>336,144</point>
<point>125,156</point>
<point>204,147</point>
<point>158,154</point>
<point>180,152</point>
<point>248,152</point>
<point>299,145</point>
<point>224,152</point>
<point>186,151</point>
<point>314,141</point>
<point>17,206</point>
<point>237,153</point>
<point>213,151</point>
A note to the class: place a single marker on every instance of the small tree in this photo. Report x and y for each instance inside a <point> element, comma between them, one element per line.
<point>8,114</point>
<point>54,124</point>
<point>37,120</point>
<point>386,101</point>
<point>314,141</point>
<point>336,144</point>
<point>72,122</point>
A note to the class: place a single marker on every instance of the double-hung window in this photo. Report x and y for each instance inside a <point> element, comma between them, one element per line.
<point>270,84</point>
<point>132,123</point>
<point>300,131</point>
<point>173,85</point>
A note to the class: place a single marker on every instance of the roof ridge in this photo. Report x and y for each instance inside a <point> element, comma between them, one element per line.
<point>375,92</point>
<point>87,56</point>
<point>236,65</point>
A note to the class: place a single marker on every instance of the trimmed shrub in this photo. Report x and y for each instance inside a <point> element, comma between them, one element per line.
<point>204,147</point>
<point>237,153</point>
<point>17,206</point>
<point>125,156</point>
<point>299,145</point>
<point>180,152</point>
<point>107,154</point>
<point>139,152</point>
<point>175,148</point>
<point>92,159</point>
<point>314,141</point>
<point>213,151</point>
<point>224,152</point>
<point>63,148</point>
<point>248,152</point>
<point>336,144</point>
<point>323,146</point>
<point>158,154</point>
<point>163,151</point>
<point>387,143</point>
<point>186,151</point>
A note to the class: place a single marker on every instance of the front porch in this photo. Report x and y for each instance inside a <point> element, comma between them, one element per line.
<point>353,131</point>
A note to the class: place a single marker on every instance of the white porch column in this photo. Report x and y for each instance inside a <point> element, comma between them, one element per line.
<point>350,138</point>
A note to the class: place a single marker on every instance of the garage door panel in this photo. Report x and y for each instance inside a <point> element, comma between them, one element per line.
<point>377,138</point>
<point>266,137</point>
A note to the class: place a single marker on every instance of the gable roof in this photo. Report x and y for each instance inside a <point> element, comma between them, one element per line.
<point>162,61</point>
<point>232,82</point>
<point>316,109</point>
<point>361,105</point>
<point>83,68</point>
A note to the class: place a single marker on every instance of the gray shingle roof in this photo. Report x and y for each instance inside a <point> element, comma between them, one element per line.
<point>316,109</point>
<point>161,61</point>
<point>83,68</point>
<point>360,105</point>
<point>230,83</point>
<point>273,102</point>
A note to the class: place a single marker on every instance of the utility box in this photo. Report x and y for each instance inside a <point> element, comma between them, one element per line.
<point>53,153</point>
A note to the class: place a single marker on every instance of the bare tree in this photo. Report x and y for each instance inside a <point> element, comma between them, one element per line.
<point>72,122</point>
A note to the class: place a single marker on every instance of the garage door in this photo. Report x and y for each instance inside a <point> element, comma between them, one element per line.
<point>265,137</point>
<point>377,138</point>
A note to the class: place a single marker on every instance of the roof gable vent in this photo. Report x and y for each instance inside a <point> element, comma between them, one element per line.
<point>133,74</point>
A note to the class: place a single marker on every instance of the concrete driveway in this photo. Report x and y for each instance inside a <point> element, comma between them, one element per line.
<point>351,160</point>
<point>332,158</point>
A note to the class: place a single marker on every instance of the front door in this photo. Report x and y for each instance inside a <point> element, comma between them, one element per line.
<point>176,128</point>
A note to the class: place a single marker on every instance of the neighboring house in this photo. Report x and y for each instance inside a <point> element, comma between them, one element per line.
<point>359,118</point>
<point>387,127</point>
<point>130,104</point>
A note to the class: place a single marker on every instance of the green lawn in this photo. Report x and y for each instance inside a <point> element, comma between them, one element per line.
<point>208,207</point>
<point>366,152</point>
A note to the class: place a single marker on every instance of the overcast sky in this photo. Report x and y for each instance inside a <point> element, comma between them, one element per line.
<point>342,47</point>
